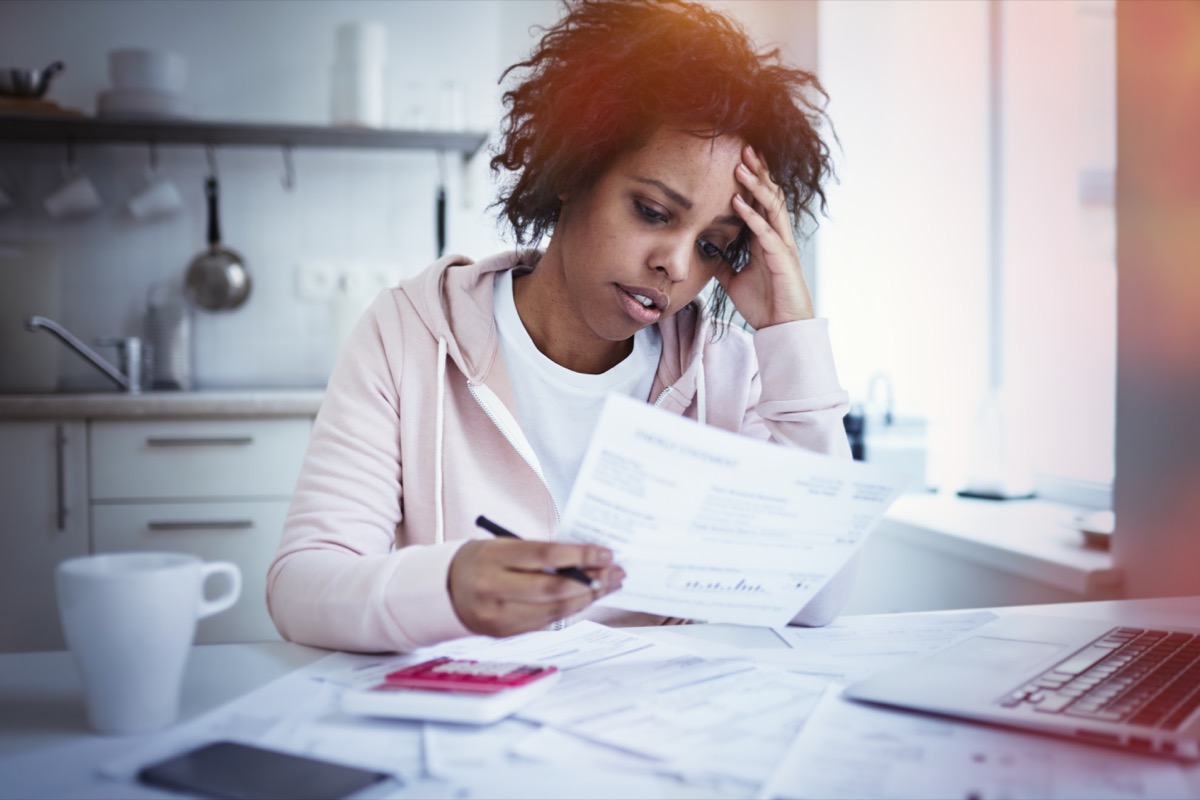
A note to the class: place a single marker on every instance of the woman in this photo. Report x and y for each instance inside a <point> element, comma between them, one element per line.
<point>657,151</point>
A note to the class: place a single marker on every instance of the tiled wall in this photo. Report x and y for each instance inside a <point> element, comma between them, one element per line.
<point>252,61</point>
<point>344,207</point>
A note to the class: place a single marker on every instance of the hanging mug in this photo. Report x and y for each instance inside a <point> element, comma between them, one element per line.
<point>74,197</point>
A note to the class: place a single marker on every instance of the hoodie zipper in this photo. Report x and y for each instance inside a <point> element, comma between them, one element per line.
<point>511,438</point>
<point>527,457</point>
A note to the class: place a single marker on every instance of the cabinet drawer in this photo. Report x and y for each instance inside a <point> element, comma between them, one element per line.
<point>164,459</point>
<point>246,533</point>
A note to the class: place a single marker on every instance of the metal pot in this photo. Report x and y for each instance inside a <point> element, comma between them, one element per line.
<point>27,83</point>
<point>217,278</point>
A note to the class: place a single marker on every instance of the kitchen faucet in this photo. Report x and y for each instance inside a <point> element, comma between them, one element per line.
<point>889,399</point>
<point>128,377</point>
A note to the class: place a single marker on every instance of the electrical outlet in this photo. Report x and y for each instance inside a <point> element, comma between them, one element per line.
<point>366,279</point>
<point>316,280</point>
<point>382,276</point>
<point>352,282</point>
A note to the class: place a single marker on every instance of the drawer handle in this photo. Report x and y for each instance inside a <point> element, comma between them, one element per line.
<point>197,441</point>
<point>60,475</point>
<point>201,525</point>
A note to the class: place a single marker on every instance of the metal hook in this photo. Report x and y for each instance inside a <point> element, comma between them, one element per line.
<point>211,153</point>
<point>289,170</point>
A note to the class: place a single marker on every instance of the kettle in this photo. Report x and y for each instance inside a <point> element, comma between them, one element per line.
<point>27,83</point>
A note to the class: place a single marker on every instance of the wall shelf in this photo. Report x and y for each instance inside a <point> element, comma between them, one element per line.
<point>45,129</point>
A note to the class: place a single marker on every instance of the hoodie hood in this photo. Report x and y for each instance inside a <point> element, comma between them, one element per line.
<point>454,300</point>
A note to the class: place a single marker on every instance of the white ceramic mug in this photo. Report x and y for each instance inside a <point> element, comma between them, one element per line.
<point>159,198</point>
<point>129,619</point>
<point>75,196</point>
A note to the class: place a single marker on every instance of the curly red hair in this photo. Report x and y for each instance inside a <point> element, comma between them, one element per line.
<point>610,72</point>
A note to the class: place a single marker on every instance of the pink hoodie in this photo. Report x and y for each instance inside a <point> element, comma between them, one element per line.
<point>417,436</point>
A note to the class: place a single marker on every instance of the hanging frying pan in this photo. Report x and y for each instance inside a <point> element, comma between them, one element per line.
<point>217,278</point>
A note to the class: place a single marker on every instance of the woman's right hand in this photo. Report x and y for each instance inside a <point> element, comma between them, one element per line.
<point>502,587</point>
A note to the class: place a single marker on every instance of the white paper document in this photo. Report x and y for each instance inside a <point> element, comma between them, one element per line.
<point>711,525</point>
<point>845,650</point>
<point>855,750</point>
<point>853,648</point>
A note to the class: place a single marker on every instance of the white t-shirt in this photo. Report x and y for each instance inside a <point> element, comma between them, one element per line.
<point>558,408</point>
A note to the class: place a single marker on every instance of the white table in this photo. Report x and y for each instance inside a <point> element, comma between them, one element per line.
<point>41,698</point>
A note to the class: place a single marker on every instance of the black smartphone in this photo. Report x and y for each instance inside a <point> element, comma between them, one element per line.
<point>244,772</point>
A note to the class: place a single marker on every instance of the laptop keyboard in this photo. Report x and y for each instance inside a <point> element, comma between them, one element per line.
<point>1134,675</point>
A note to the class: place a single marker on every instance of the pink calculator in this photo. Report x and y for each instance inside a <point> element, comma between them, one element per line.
<point>457,675</point>
<point>453,690</point>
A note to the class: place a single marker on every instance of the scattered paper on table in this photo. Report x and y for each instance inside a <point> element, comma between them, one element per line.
<point>625,699</point>
<point>852,648</point>
<point>849,749</point>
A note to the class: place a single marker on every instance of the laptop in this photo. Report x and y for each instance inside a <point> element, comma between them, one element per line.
<point>1134,687</point>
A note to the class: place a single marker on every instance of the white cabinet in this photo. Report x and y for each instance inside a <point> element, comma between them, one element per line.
<point>43,508</point>
<point>216,488</point>
<point>196,459</point>
<point>246,533</point>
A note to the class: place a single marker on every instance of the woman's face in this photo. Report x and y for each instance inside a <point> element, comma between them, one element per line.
<point>641,243</point>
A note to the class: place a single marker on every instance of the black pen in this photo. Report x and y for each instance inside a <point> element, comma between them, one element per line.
<point>574,573</point>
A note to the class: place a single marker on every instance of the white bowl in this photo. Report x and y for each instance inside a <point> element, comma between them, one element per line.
<point>147,70</point>
<point>141,103</point>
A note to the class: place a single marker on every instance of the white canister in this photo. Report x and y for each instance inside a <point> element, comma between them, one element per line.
<point>168,329</point>
<point>358,95</point>
<point>361,42</point>
<point>358,75</point>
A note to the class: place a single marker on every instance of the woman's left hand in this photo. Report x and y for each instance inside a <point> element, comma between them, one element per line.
<point>770,289</point>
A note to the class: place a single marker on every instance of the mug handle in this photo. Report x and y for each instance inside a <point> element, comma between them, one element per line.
<point>216,605</point>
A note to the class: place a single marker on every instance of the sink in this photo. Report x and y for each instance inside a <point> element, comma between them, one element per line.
<point>127,376</point>
<point>900,444</point>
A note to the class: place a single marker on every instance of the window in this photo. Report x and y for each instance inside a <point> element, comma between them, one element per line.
<point>969,247</point>
<point>1059,260</point>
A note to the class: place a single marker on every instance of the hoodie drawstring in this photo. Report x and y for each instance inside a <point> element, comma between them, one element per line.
<point>701,395</point>
<point>439,425</point>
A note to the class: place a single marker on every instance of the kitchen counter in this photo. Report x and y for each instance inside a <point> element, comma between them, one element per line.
<point>205,403</point>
